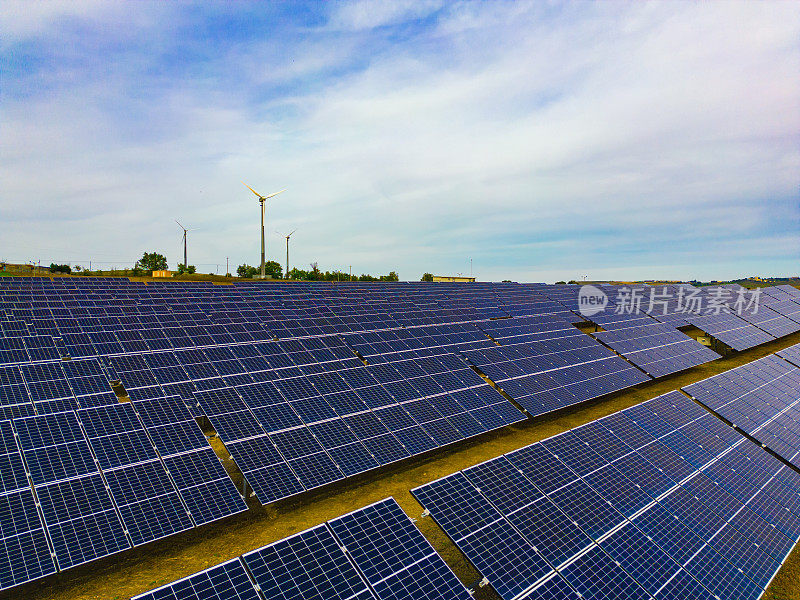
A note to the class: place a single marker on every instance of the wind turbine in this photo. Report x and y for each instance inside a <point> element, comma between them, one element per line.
<point>287,250</point>
<point>185,264</point>
<point>262,199</point>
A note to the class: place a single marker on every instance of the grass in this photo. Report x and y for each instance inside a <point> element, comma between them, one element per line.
<point>135,571</point>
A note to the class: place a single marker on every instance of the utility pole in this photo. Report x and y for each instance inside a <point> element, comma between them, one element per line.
<point>227,266</point>
<point>351,272</point>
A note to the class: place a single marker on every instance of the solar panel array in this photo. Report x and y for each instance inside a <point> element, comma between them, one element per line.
<point>550,374</point>
<point>103,486</point>
<point>139,483</point>
<point>305,384</point>
<point>726,312</point>
<point>731,330</point>
<point>79,513</point>
<point>792,354</point>
<point>761,398</point>
<point>26,554</point>
<point>658,349</point>
<point>374,553</point>
<point>661,500</point>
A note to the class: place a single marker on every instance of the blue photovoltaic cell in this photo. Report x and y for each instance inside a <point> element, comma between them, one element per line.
<point>494,546</point>
<point>78,511</point>
<point>228,581</point>
<point>708,534</point>
<point>26,554</point>
<point>306,566</point>
<point>393,556</point>
<point>374,553</point>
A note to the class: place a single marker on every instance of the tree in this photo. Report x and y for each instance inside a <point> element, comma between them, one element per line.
<point>54,268</point>
<point>560,282</point>
<point>153,261</point>
<point>246,271</point>
<point>392,276</point>
<point>298,274</point>
<point>273,269</point>
<point>427,277</point>
<point>182,268</point>
<point>314,273</point>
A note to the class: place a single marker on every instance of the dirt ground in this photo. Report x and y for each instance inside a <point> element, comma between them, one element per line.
<point>141,569</point>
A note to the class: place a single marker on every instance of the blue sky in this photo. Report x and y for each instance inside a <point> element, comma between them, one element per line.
<point>542,140</point>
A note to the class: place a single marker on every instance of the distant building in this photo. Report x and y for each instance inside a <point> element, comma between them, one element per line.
<point>454,278</point>
<point>163,273</point>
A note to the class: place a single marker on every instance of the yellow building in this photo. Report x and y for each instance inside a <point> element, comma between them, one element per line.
<point>454,278</point>
<point>163,273</point>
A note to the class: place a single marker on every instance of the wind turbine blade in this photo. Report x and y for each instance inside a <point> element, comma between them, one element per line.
<point>291,234</point>
<point>252,190</point>
<point>275,194</point>
<point>179,225</point>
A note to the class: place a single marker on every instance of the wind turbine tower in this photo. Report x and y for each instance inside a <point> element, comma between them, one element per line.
<point>287,252</point>
<point>262,200</point>
<point>185,264</point>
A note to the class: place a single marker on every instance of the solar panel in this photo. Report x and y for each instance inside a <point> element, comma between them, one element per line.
<point>791,354</point>
<point>310,564</point>
<point>263,466</point>
<point>139,483</point>
<point>224,582</point>
<point>26,555</point>
<point>657,349</point>
<point>548,375</point>
<point>374,553</point>
<point>198,474</point>
<point>393,556</point>
<point>660,500</point>
<point>760,398</point>
<point>731,330</point>
<point>79,514</point>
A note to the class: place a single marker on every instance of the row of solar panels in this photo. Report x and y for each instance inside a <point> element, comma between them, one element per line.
<point>761,398</point>
<point>312,438</point>
<point>410,305</point>
<point>153,339</point>
<point>729,328</point>
<point>375,553</point>
<point>337,424</point>
<point>777,314</point>
<point>662,500</point>
<point>80,485</point>
<point>740,326</point>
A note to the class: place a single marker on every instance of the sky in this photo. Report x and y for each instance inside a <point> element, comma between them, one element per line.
<point>536,141</point>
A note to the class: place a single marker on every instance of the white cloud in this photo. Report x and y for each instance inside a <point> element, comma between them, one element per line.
<point>533,138</point>
<point>369,14</point>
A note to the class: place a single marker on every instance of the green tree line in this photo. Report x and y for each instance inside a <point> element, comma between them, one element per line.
<point>313,273</point>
